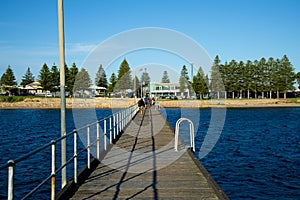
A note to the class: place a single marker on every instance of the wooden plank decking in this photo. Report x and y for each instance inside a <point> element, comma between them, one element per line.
<point>144,165</point>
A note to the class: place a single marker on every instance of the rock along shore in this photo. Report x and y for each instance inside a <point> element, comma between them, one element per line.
<point>49,103</point>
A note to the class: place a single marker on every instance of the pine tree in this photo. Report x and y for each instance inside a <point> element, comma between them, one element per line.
<point>73,71</point>
<point>101,80</point>
<point>200,83</point>
<point>240,78</point>
<point>298,79</point>
<point>269,76</point>
<point>27,78</point>
<point>248,76</point>
<point>54,78</point>
<point>183,79</point>
<point>224,69</point>
<point>67,77</point>
<point>83,81</point>
<point>137,85</point>
<point>277,77</point>
<point>287,75</point>
<point>255,78</point>
<point>231,77</point>
<point>261,74</point>
<point>216,79</point>
<point>45,78</point>
<point>124,78</point>
<point>145,79</point>
<point>8,78</point>
<point>165,77</point>
<point>113,82</point>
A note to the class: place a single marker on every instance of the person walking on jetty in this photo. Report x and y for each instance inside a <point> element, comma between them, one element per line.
<point>152,102</point>
<point>141,105</point>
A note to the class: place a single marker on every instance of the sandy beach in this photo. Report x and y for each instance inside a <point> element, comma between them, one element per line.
<point>47,103</point>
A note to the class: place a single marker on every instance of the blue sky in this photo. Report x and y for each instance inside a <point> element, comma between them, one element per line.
<point>232,29</point>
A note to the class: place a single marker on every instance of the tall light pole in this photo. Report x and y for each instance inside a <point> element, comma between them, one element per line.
<point>62,89</point>
<point>192,71</point>
<point>134,83</point>
<point>134,86</point>
<point>192,75</point>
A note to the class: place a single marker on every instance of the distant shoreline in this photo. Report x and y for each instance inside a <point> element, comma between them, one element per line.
<point>54,103</point>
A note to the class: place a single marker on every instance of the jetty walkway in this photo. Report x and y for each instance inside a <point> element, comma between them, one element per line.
<point>143,164</point>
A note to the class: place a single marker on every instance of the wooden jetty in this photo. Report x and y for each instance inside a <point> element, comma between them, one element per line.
<point>143,164</point>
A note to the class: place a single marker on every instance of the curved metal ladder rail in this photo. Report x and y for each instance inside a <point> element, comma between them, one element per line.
<point>192,136</point>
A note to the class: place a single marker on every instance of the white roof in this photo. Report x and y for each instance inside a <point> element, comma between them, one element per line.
<point>97,88</point>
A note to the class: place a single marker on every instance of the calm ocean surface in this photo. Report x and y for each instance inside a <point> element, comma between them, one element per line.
<point>256,157</point>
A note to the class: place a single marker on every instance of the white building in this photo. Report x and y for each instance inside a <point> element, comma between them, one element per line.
<point>167,89</point>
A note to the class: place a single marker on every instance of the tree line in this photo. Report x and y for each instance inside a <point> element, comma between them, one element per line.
<point>230,79</point>
<point>252,79</point>
<point>266,78</point>
<point>76,79</point>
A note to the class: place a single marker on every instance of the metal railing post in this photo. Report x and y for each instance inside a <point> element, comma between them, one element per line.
<point>98,140</point>
<point>53,173</point>
<point>75,156</point>
<point>117,124</point>
<point>125,118</point>
<point>104,133</point>
<point>121,121</point>
<point>10,188</point>
<point>176,135</point>
<point>88,148</point>
<point>128,115</point>
<point>114,119</point>
<point>110,131</point>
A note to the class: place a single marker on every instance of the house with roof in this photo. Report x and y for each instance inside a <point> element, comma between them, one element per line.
<point>33,88</point>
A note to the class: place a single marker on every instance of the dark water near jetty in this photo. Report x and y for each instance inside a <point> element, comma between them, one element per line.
<point>22,131</point>
<point>258,153</point>
<point>256,157</point>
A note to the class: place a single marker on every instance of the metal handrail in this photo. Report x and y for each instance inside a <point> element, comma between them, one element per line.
<point>117,122</point>
<point>192,136</point>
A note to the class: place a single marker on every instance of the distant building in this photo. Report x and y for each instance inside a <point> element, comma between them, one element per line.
<point>166,90</point>
<point>98,91</point>
<point>92,91</point>
<point>33,88</point>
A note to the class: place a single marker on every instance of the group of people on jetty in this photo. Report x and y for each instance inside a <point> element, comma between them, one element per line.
<point>146,102</point>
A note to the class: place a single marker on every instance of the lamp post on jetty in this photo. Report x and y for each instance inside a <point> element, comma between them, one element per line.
<point>134,82</point>
<point>62,90</point>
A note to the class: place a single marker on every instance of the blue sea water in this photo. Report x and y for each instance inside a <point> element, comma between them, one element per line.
<point>22,131</point>
<point>257,155</point>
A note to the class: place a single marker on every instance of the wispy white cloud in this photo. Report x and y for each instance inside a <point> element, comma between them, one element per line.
<point>79,48</point>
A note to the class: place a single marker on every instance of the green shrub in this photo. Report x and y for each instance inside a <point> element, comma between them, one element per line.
<point>11,99</point>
